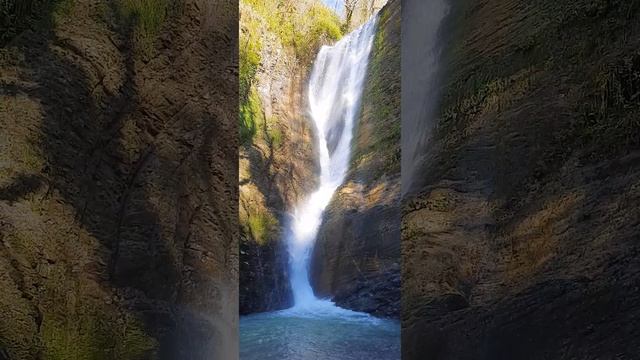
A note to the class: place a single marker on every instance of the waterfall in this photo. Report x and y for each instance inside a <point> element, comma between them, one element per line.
<point>421,48</point>
<point>334,92</point>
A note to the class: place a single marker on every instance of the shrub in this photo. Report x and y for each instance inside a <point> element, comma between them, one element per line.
<point>301,32</point>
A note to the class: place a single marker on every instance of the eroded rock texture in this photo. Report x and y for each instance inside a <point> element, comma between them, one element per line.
<point>277,165</point>
<point>356,258</point>
<point>118,198</point>
<point>523,243</point>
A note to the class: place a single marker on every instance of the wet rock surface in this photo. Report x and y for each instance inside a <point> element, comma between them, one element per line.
<point>356,257</point>
<point>118,208</point>
<point>265,283</point>
<point>377,293</point>
<point>275,172</point>
<point>522,244</point>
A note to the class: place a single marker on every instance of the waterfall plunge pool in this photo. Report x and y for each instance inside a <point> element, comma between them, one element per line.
<point>319,332</point>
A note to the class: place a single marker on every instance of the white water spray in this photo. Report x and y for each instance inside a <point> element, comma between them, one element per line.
<point>335,88</point>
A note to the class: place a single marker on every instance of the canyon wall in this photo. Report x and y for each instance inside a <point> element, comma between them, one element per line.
<point>277,155</point>
<point>522,242</point>
<point>118,204</point>
<point>363,10</point>
<point>356,258</point>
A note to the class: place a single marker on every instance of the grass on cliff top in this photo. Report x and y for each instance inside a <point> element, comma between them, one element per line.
<point>261,226</point>
<point>95,336</point>
<point>250,48</point>
<point>19,15</point>
<point>298,28</point>
<point>381,105</point>
<point>299,25</point>
<point>254,125</point>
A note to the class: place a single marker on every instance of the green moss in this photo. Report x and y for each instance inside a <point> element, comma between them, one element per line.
<point>324,26</point>
<point>250,48</point>
<point>94,336</point>
<point>249,117</point>
<point>249,61</point>
<point>76,326</point>
<point>301,31</point>
<point>148,16</point>
<point>275,137</point>
<point>76,323</point>
<point>253,125</point>
<point>381,103</point>
<point>261,225</point>
<point>61,10</point>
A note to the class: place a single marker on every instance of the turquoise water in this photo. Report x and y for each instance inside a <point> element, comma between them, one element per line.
<point>326,333</point>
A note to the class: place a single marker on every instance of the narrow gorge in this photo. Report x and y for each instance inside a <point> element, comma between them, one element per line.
<point>356,259</point>
<point>333,151</point>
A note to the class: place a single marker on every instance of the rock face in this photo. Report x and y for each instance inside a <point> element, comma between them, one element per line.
<point>356,257</point>
<point>277,165</point>
<point>363,10</point>
<point>523,241</point>
<point>118,204</point>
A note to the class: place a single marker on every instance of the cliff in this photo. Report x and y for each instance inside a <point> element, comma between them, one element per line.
<point>362,11</point>
<point>356,258</point>
<point>118,208</point>
<point>522,242</point>
<point>277,154</point>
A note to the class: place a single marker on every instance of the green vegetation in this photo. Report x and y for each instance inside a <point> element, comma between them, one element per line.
<point>75,322</point>
<point>297,27</point>
<point>19,15</point>
<point>250,112</point>
<point>262,224</point>
<point>301,27</point>
<point>253,124</point>
<point>381,103</point>
<point>324,27</point>
<point>275,136</point>
<point>250,47</point>
<point>148,16</point>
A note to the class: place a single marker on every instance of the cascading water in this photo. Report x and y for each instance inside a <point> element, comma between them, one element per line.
<point>335,88</point>
<point>314,328</point>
